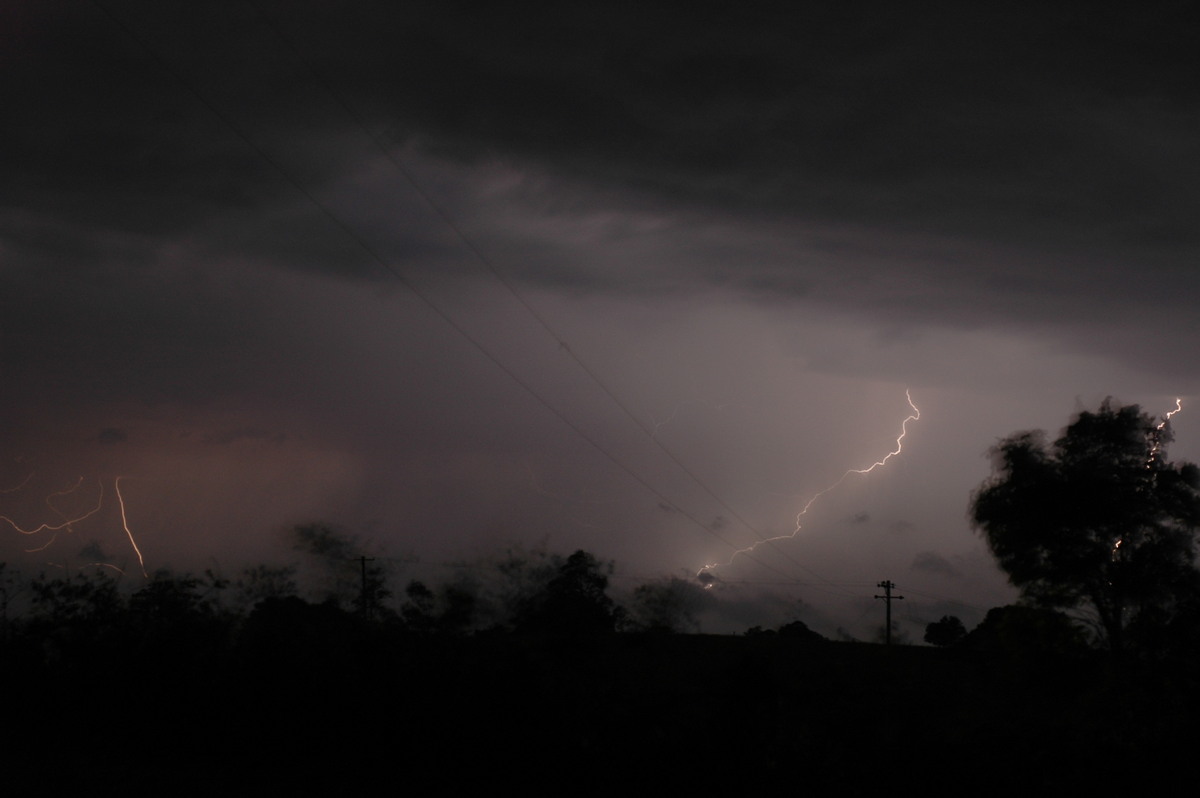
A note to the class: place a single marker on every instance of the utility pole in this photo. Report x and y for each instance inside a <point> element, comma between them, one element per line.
<point>365,607</point>
<point>887,596</point>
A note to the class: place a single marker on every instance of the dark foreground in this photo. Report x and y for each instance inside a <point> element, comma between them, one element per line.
<point>351,710</point>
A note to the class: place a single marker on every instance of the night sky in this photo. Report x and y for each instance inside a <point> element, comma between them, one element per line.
<point>637,281</point>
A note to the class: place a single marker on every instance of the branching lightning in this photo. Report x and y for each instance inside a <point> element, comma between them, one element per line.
<point>109,565</point>
<point>69,521</point>
<point>705,574</point>
<point>42,547</point>
<point>1152,452</point>
<point>125,524</point>
<point>24,482</point>
<point>67,492</point>
<point>1156,436</point>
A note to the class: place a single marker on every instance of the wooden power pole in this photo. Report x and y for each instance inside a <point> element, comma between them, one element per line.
<point>365,601</point>
<point>887,596</point>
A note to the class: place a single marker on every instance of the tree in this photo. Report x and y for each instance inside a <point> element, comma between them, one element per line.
<point>798,632</point>
<point>419,611</point>
<point>946,632</point>
<point>347,577</point>
<point>896,637</point>
<point>573,602</point>
<point>668,605</point>
<point>1027,633</point>
<point>522,576</point>
<point>450,611</point>
<point>261,582</point>
<point>169,600</point>
<point>93,599</point>
<point>1099,521</point>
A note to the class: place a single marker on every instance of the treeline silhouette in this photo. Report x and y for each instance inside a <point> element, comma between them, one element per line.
<point>193,683</point>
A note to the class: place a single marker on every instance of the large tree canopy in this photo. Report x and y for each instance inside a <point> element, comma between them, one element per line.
<point>573,602</point>
<point>1098,521</point>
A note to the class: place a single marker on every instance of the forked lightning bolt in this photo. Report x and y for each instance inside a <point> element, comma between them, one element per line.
<point>1156,438</point>
<point>68,522</point>
<point>125,524</point>
<point>1155,447</point>
<point>705,573</point>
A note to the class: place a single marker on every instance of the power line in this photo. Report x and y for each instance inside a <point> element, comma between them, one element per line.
<point>483,259</point>
<point>374,255</point>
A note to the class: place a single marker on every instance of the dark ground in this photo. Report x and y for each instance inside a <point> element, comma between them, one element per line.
<point>345,709</point>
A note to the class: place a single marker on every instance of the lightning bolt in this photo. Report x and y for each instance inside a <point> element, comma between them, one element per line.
<point>108,565</point>
<point>705,574</point>
<point>68,522</point>
<point>67,492</point>
<point>42,547</point>
<point>24,482</point>
<point>1155,438</point>
<point>125,524</point>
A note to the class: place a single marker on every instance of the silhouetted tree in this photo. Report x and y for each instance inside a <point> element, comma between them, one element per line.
<point>458,608</point>
<point>92,599</point>
<point>372,591</point>
<point>449,611</point>
<point>899,637</point>
<point>262,582</point>
<point>338,555</point>
<point>523,576</point>
<point>573,602</point>
<point>1171,627</point>
<point>8,590</point>
<point>1097,521</point>
<point>1027,631</point>
<point>169,599</point>
<point>946,632</point>
<point>418,611</point>
<point>667,606</point>
<point>798,632</point>
<point>323,540</point>
<point>290,638</point>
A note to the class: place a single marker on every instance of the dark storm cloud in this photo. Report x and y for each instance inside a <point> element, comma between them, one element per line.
<point>989,122</point>
<point>105,333</point>
<point>958,166</point>
<point>164,125</point>
<point>101,133</point>
<point>1055,130</point>
<point>933,563</point>
<point>939,160</point>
